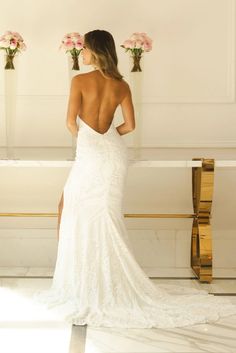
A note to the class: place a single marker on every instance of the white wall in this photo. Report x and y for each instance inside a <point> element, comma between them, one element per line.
<point>188,100</point>
<point>189,80</point>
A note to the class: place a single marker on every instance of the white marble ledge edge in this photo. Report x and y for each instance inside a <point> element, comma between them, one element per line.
<point>132,163</point>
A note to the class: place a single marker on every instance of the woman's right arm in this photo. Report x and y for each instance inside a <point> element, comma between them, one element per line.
<point>127,112</point>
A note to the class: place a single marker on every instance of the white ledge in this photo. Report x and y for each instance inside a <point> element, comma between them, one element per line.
<point>132,163</point>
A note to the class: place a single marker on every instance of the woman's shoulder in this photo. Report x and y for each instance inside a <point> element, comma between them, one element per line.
<point>124,84</point>
<point>81,75</point>
<point>81,78</point>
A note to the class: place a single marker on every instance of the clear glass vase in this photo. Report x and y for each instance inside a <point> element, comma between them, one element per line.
<point>136,63</point>
<point>75,62</point>
<point>9,61</point>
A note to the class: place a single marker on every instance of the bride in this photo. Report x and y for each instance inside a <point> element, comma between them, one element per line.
<point>97,280</point>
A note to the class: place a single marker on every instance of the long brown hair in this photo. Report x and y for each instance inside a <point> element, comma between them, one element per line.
<point>102,46</point>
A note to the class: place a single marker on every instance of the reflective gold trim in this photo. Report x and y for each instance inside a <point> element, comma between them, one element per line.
<point>201,242</point>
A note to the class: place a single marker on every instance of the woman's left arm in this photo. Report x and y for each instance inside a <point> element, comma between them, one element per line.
<point>74,105</point>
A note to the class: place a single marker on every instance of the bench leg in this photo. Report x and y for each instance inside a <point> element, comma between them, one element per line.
<point>201,242</point>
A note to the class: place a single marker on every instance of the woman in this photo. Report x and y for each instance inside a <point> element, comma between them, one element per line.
<point>107,81</point>
<point>97,280</point>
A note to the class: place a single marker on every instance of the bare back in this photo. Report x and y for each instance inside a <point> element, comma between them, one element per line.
<point>100,98</point>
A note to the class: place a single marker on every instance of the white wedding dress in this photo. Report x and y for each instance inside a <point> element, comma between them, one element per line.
<point>97,280</point>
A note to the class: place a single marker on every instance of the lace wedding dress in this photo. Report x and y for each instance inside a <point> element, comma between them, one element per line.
<point>97,280</point>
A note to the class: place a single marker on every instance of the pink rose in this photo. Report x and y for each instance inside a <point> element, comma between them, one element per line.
<point>129,44</point>
<point>126,43</point>
<point>138,44</point>
<point>147,46</point>
<point>5,43</point>
<point>143,36</point>
<point>74,34</point>
<point>134,36</point>
<point>13,44</point>
<point>69,44</point>
<point>22,46</point>
<point>149,40</point>
<point>79,44</point>
<point>8,36</point>
<point>17,35</point>
<point>74,39</point>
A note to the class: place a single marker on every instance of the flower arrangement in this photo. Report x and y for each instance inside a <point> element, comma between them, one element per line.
<point>11,42</point>
<point>138,43</point>
<point>73,43</point>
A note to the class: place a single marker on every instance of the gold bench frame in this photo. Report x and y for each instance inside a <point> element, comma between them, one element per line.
<point>201,243</point>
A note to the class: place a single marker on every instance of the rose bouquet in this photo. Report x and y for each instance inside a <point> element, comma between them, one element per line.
<point>138,43</point>
<point>11,42</point>
<point>73,43</point>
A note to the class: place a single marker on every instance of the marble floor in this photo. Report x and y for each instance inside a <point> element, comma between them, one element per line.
<point>25,328</point>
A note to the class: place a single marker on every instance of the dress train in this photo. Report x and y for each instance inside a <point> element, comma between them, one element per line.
<point>97,280</point>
